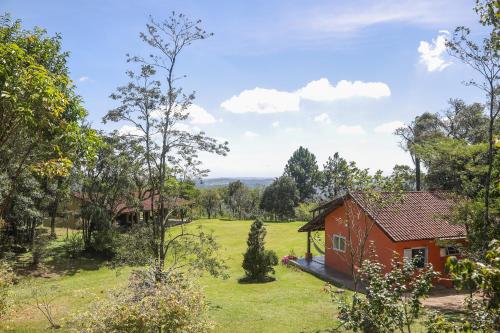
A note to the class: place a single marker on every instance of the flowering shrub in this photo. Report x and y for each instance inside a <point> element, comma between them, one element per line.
<point>286,259</point>
<point>146,306</point>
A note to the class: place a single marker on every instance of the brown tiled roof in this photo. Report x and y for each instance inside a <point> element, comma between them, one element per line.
<point>407,216</point>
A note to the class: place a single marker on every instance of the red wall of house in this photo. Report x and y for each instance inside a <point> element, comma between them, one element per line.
<point>384,246</point>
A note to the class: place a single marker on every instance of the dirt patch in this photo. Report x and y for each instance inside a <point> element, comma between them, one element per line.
<point>445,299</point>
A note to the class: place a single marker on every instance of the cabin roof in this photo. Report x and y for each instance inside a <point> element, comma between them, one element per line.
<point>404,216</point>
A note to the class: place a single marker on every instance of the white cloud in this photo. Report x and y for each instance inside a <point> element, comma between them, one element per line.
<point>350,130</point>
<point>431,54</point>
<point>198,115</point>
<point>260,100</point>
<point>340,18</point>
<point>323,118</point>
<point>129,130</point>
<point>275,124</point>
<point>388,128</point>
<point>83,78</point>
<point>250,134</point>
<point>323,91</point>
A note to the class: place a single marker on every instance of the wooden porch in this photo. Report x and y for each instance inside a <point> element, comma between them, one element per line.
<point>316,266</point>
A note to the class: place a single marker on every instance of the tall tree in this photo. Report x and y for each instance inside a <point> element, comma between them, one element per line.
<point>337,175</point>
<point>280,198</point>
<point>303,168</point>
<point>210,200</point>
<point>41,117</point>
<point>156,109</point>
<point>465,122</point>
<point>237,198</point>
<point>425,127</point>
<point>483,58</point>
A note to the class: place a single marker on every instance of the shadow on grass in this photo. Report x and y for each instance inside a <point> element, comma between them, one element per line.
<point>247,280</point>
<point>57,262</point>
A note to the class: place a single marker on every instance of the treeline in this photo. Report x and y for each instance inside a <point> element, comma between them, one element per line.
<point>301,188</point>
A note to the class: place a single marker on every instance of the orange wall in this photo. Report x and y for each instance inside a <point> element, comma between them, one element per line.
<point>384,246</point>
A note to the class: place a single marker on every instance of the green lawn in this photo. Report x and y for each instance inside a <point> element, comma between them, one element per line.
<point>295,302</point>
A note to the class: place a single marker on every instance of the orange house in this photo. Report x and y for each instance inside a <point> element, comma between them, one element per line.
<point>410,225</point>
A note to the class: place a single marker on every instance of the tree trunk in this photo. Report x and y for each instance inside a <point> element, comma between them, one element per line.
<point>417,173</point>
<point>486,222</point>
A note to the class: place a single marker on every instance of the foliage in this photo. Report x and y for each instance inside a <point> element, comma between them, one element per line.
<point>280,198</point>
<point>403,175</point>
<point>337,176</point>
<point>107,186</point>
<point>73,246</point>
<point>257,261</point>
<point>210,200</point>
<point>392,301</point>
<point>174,304</point>
<point>303,168</point>
<point>189,249</point>
<point>483,58</point>
<point>482,279</point>
<point>453,165</point>
<point>303,211</point>
<point>6,281</point>
<point>424,128</point>
<point>156,110</point>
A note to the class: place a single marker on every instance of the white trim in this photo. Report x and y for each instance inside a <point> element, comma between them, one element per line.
<point>408,253</point>
<point>333,243</point>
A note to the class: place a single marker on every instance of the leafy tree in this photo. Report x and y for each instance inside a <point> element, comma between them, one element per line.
<point>238,198</point>
<point>424,128</point>
<point>404,175</point>
<point>107,186</point>
<point>454,165</point>
<point>303,168</point>
<point>483,58</point>
<point>257,261</point>
<point>465,122</point>
<point>39,110</point>
<point>210,201</point>
<point>303,211</point>
<point>280,198</point>
<point>337,176</point>
<point>393,299</point>
<point>156,110</point>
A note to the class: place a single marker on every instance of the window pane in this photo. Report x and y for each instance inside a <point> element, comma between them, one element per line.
<point>342,244</point>
<point>419,254</point>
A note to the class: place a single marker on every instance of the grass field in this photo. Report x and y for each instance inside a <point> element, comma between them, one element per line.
<point>295,302</point>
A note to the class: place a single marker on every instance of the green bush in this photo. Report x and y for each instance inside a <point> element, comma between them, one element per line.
<point>174,305</point>
<point>257,261</point>
<point>73,246</point>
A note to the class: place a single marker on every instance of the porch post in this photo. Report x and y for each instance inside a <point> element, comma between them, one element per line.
<point>308,253</point>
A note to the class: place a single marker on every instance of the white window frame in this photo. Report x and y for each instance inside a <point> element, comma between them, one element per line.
<point>408,253</point>
<point>445,251</point>
<point>333,243</point>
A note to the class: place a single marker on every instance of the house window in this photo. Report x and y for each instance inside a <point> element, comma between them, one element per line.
<point>418,255</point>
<point>449,251</point>
<point>338,243</point>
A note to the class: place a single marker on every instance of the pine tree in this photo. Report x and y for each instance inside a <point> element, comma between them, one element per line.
<point>257,261</point>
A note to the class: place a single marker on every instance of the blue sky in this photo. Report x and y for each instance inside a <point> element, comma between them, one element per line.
<point>327,75</point>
